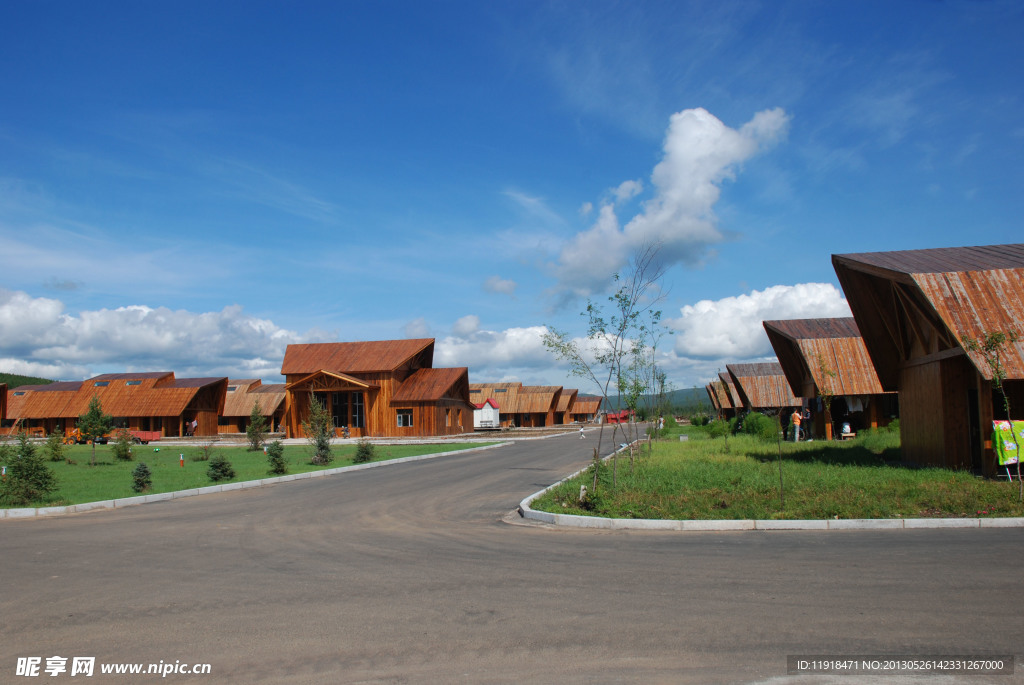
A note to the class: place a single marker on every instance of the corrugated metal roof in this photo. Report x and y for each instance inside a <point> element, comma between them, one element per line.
<point>730,388</point>
<point>805,346</point>
<point>357,357</point>
<point>762,386</point>
<point>431,385</point>
<point>239,401</point>
<point>970,291</point>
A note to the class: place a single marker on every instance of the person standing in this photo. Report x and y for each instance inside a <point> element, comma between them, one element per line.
<point>581,433</point>
<point>795,419</point>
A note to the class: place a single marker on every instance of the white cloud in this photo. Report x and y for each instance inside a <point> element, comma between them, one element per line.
<point>496,284</point>
<point>731,328</point>
<point>466,326</point>
<point>627,190</point>
<point>37,337</point>
<point>417,328</point>
<point>700,152</point>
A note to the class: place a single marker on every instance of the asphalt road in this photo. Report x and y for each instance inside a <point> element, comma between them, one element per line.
<point>407,574</point>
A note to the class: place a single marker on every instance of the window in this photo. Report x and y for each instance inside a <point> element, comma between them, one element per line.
<point>133,382</point>
<point>357,410</point>
<point>447,417</point>
<point>339,408</point>
<point>101,384</point>
<point>500,390</point>
<point>404,418</point>
<point>19,393</point>
<point>231,388</point>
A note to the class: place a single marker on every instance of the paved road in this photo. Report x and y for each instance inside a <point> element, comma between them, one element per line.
<point>407,574</point>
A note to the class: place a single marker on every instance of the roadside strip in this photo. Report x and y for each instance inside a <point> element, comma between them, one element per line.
<point>576,521</point>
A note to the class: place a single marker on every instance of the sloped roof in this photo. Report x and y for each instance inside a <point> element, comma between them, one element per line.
<point>431,385</point>
<point>762,386</point>
<point>731,394</point>
<point>483,404</point>
<point>239,401</point>
<point>914,304</point>
<point>120,395</point>
<point>566,399</point>
<point>358,357</point>
<point>719,393</point>
<point>827,353</point>
<point>586,405</point>
<point>516,398</point>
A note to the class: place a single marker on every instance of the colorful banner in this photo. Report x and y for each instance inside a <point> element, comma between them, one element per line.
<point>1008,440</point>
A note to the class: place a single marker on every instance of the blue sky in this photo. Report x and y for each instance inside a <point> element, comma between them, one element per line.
<point>190,186</point>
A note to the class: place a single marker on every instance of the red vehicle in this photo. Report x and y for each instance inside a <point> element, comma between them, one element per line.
<point>623,416</point>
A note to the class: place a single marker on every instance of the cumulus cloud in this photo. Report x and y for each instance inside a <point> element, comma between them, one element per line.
<point>496,284</point>
<point>417,328</point>
<point>466,326</point>
<point>514,353</point>
<point>731,328</point>
<point>699,154</point>
<point>627,190</point>
<point>38,337</point>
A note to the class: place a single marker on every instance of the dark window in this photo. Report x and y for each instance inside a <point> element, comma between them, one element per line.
<point>501,390</point>
<point>404,418</point>
<point>357,410</point>
<point>133,382</point>
<point>232,388</point>
<point>101,384</point>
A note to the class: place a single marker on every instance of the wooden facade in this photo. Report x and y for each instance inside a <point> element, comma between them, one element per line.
<point>239,400</point>
<point>762,387</point>
<point>384,388</point>
<point>524,406</point>
<point>916,310</point>
<point>585,409</point>
<point>721,399</point>
<point>152,401</point>
<point>829,355</point>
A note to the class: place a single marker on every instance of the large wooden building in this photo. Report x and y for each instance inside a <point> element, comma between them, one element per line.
<point>149,401</point>
<point>829,355</point>
<point>384,388</point>
<point>242,394</point>
<point>762,387</point>
<point>917,311</point>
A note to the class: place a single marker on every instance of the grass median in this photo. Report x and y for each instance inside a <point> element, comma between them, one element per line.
<point>79,482</point>
<point>738,478</point>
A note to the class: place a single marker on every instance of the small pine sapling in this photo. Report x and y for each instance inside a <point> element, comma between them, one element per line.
<point>275,458</point>
<point>142,478</point>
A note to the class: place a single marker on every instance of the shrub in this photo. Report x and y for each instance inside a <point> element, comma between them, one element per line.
<point>319,429</point>
<point>256,431</point>
<point>717,429</point>
<point>205,451</point>
<point>55,446</point>
<point>364,452</point>
<point>275,457</point>
<point>142,478</point>
<point>220,468</point>
<point>700,419</point>
<point>894,426</point>
<point>29,479</point>
<point>123,445</point>
<point>761,426</point>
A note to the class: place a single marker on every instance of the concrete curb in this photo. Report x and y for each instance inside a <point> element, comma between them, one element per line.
<point>594,522</point>
<point>226,487</point>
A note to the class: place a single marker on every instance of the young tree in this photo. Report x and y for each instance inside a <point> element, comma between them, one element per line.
<point>123,444</point>
<point>55,446</point>
<point>142,478</point>
<point>256,431</point>
<point>94,424</point>
<point>991,346</point>
<point>28,479</point>
<point>319,430</point>
<point>611,340</point>
<point>826,393</point>
<point>275,459</point>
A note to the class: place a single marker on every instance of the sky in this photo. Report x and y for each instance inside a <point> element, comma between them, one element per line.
<point>192,186</point>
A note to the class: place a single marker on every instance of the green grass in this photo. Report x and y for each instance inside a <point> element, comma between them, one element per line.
<point>707,478</point>
<point>78,482</point>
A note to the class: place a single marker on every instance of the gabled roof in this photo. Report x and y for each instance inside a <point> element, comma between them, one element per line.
<point>731,394</point>
<point>586,405</point>
<point>431,385</point>
<point>358,357</point>
<point>248,391</point>
<point>718,391</point>
<point>120,395</point>
<point>915,305</point>
<point>566,399</point>
<point>823,355</point>
<point>486,402</point>
<point>344,378</point>
<point>762,386</point>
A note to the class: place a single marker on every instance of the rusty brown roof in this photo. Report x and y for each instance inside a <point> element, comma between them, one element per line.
<point>358,357</point>
<point>917,303</point>
<point>120,395</point>
<point>566,399</point>
<point>762,386</point>
<point>248,391</point>
<point>516,398</point>
<point>718,391</point>
<point>823,355</point>
<point>586,405</point>
<point>730,391</point>
<point>432,385</point>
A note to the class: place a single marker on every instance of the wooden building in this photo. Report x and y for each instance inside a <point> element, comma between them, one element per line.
<point>384,388</point>
<point>829,355</point>
<point>523,406</point>
<point>585,409</point>
<point>240,397</point>
<point>917,310</point>
<point>721,399</point>
<point>762,387</point>
<point>566,399</point>
<point>149,401</point>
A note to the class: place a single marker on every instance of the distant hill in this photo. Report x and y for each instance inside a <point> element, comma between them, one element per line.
<point>682,401</point>
<point>13,380</point>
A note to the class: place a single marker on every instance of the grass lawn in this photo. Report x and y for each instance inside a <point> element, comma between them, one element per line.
<point>711,478</point>
<point>78,482</point>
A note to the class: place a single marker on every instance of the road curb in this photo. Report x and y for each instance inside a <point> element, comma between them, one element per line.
<point>595,522</point>
<point>39,512</point>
